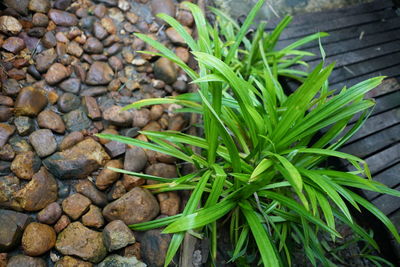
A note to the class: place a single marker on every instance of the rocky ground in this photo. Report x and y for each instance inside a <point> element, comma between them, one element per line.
<point>67,67</point>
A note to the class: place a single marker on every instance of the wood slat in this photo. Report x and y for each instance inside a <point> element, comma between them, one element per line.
<point>387,204</point>
<point>389,177</point>
<point>388,85</point>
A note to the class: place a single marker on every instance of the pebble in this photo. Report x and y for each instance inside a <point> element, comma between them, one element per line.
<point>99,31</point>
<point>49,40</point>
<point>88,189</point>
<point>141,117</point>
<point>117,191</point>
<point>43,142</point>
<point>107,131</point>
<point>93,218</point>
<point>40,20</point>
<point>11,228</point>
<point>130,181</point>
<point>10,87</point>
<point>93,46</point>
<point>100,73</point>
<point>39,192</point>
<point>6,101</point>
<point>162,170</point>
<point>119,261</point>
<point>23,260</point>
<point>19,144</point>
<point>56,73</point>
<point>5,113</point>
<point>24,125</point>
<point>25,165</point>
<point>62,18</point>
<point>92,108</point>
<point>62,4</point>
<point>30,102</point>
<point>41,6</point>
<point>50,214</point>
<point>185,17</point>
<point>165,70</point>
<point>8,186</point>
<point>107,177</point>
<point>68,261</point>
<point>115,148</point>
<point>75,205</point>
<point>45,60</point>
<point>136,206</point>
<point>169,203</point>
<point>71,85</point>
<point>78,240</point>
<point>175,37</point>
<point>10,25</point>
<point>13,45</point>
<point>21,6</point>
<point>162,6</point>
<point>132,251</point>
<point>50,120</point>
<point>6,131</point>
<point>71,140</point>
<point>74,49</point>
<point>62,223</point>
<point>117,235</point>
<point>135,159</point>
<point>116,116</point>
<point>68,102</point>
<point>154,246</point>
<point>7,153</point>
<point>38,238</point>
<point>64,165</point>
<point>109,25</point>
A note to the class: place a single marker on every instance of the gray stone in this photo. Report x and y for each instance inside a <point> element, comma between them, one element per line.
<point>26,261</point>
<point>24,125</point>
<point>76,120</point>
<point>117,235</point>
<point>11,228</point>
<point>68,102</point>
<point>43,142</point>
<point>119,261</point>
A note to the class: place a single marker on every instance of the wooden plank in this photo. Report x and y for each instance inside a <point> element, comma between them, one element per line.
<point>389,177</point>
<point>340,23</point>
<point>395,218</point>
<point>386,203</point>
<point>387,86</point>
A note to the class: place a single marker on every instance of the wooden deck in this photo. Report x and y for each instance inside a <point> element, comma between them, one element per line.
<point>365,42</point>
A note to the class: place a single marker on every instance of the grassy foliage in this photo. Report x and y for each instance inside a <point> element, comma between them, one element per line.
<point>258,164</point>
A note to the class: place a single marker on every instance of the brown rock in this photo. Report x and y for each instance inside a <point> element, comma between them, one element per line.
<point>130,181</point>
<point>77,240</point>
<point>41,6</point>
<point>116,116</point>
<point>162,170</point>
<point>93,218</point>
<point>39,192</point>
<point>10,25</point>
<point>74,49</point>
<point>163,6</point>
<point>38,239</point>
<point>135,159</point>
<point>169,203</point>
<point>5,113</point>
<point>117,191</point>
<point>13,45</point>
<point>93,46</point>
<point>136,206</point>
<point>6,131</point>
<point>8,186</point>
<point>6,101</point>
<point>185,17</point>
<point>109,25</point>
<point>152,126</point>
<point>3,259</point>
<point>75,205</point>
<point>71,140</point>
<point>62,18</point>
<point>62,223</point>
<point>99,31</point>
<point>100,73</point>
<point>51,120</point>
<point>141,117</point>
<point>7,153</point>
<point>117,235</point>
<point>107,131</point>
<point>68,261</point>
<point>107,177</point>
<point>50,214</point>
<point>132,17</point>
<point>154,246</point>
<point>175,37</point>
<point>156,111</point>
<point>133,251</point>
<point>16,74</point>
<point>165,70</point>
<point>43,142</point>
<point>45,59</point>
<point>23,260</point>
<point>56,73</point>
<point>50,41</point>
<point>25,165</point>
<point>93,109</point>
<point>176,123</point>
<point>30,102</point>
<point>40,20</point>
<point>88,189</point>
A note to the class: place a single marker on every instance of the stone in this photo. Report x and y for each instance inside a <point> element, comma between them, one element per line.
<point>117,235</point>
<point>6,101</point>
<point>93,46</point>
<point>154,246</point>
<point>169,203</point>
<point>11,228</point>
<point>10,87</point>
<point>77,240</point>
<point>141,117</point>
<point>180,86</point>
<point>156,111</point>
<point>62,223</point>
<point>132,251</point>
<point>17,74</point>
<point>99,31</point>
<point>6,131</point>
<point>175,37</point>
<point>162,170</point>
<point>5,168</point>
<point>10,25</point>
<point>100,73</point>
<point>115,148</point>
<point>30,102</point>
<point>109,25</point>
<point>135,159</point>
<point>62,18</point>
<point>185,17</point>
<point>24,125</point>
<point>107,177</point>
<point>62,4</point>
<point>26,261</point>
<point>162,6</point>
<point>49,40</point>
<point>78,161</point>
<point>74,49</point>
<point>70,140</point>
<point>88,189</point>
<point>21,6</point>
<point>39,192</point>
<point>93,218</point>
<point>50,120</point>
<point>19,144</point>
<point>119,261</point>
<point>136,206</point>
<point>94,91</point>
<point>25,165</point>
<point>116,116</point>
<point>93,109</point>
<point>50,214</point>
<point>117,191</point>
<point>37,32</point>
<point>5,113</point>
<point>71,85</point>
<point>68,102</point>
<point>9,185</point>
<point>165,70</point>
<point>38,238</point>
<point>13,45</point>
<point>40,20</point>
<point>130,181</point>
<point>7,153</point>
<point>56,73</point>
<point>43,142</point>
<point>76,120</point>
<point>69,261</point>
<point>75,205</point>
<point>41,6</point>
<point>176,123</point>
<point>45,59</point>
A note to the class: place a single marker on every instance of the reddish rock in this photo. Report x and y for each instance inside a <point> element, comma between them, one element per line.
<point>6,101</point>
<point>38,239</point>
<point>62,223</point>
<point>62,18</point>
<point>116,116</point>
<point>88,189</point>
<point>93,109</point>
<point>50,214</point>
<point>25,165</point>
<point>117,191</point>
<point>71,140</point>
<point>30,102</point>
<point>40,20</point>
<point>93,46</point>
<point>100,73</point>
<point>41,6</point>
<point>133,251</point>
<point>169,203</point>
<point>175,37</point>
<point>56,73</point>
<point>13,45</point>
<point>130,181</point>
<point>107,177</point>
<point>6,131</point>
<point>75,205</point>
<point>135,159</point>
<point>74,49</point>
<point>51,120</point>
<point>44,60</point>
<point>141,117</point>
<point>5,113</point>
<point>93,218</point>
<point>17,74</point>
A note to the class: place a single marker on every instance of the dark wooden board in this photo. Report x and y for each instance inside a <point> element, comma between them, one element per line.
<point>387,204</point>
<point>388,85</point>
<point>389,177</point>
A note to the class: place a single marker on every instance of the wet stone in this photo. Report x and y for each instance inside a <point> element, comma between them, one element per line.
<point>21,6</point>
<point>5,113</point>
<point>75,205</point>
<point>130,181</point>
<point>93,218</point>
<point>6,131</point>
<point>62,4</point>
<point>88,189</point>
<point>99,31</point>
<point>7,153</point>
<point>117,235</point>
<point>115,148</point>
<point>71,140</point>
<point>50,214</point>
<point>154,246</point>
<point>24,125</point>
<point>30,102</point>
<point>19,144</point>
<point>37,32</point>
<point>38,238</point>
<point>13,45</point>
<point>25,165</point>
<point>68,102</point>
<point>41,6</point>
<point>117,191</point>
<point>43,142</point>
<point>93,109</point>
<point>23,260</point>
<point>76,120</point>
<point>71,85</point>
<point>165,70</point>
<point>169,203</point>
<point>62,18</point>
<point>11,228</point>
<point>56,73</point>
<point>51,120</point>
<point>141,117</point>
<point>6,101</point>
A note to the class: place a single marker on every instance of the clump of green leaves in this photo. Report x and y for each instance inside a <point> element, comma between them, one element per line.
<point>258,161</point>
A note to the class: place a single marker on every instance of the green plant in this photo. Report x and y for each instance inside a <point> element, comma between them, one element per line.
<point>258,161</point>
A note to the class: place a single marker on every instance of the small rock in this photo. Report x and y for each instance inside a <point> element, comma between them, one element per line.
<point>37,32</point>
<point>176,123</point>
<point>21,6</point>
<point>92,108</point>
<point>75,205</point>
<point>38,239</point>
<point>175,37</point>
<point>133,251</point>
<point>136,206</point>
<point>68,261</point>
<point>185,17</point>
<point>6,101</point>
<point>62,223</point>
<point>25,125</point>
<point>25,165</point>
<point>88,189</point>
<point>13,45</point>
<point>5,113</point>
<point>115,148</point>
<point>11,228</point>
<point>8,186</point>
<point>109,25</point>
<point>50,214</point>
<point>50,120</point>
<point>165,70</point>
<point>162,170</point>
<point>117,235</point>
<point>11,87</point>
<point>10,25</point>
<point>141,117</point>
<point>130,181</point>
<point>117,191</point>
<point>135,159</point>
<point>116,116</point>
<point>39,192</point>
<point>71,85</point>
<point>7,153</point>
<point>43,142</point>
<point>93,218</point>
<point>119,261</point>
<point>68,102</point>
<point>74,49</point>
<point>78,161</point>
<point>6,131</point>
<point>49,40</point>
<point>71,140</point>
<point>30,102</point>
<point>100,73</point>
<point>56,73</point>
<point>19,144</point>
<point>41,6</point>
<point>62,4</point>
<point>76,120</point>
<point>62,18</point>
<point>107,131</point>
<point>77,240</point>
<point>93,46</point>
<point>107,177</point>
<point>154,246</point>
<point>40,20</point>
<point>94,91</point>
<point>169,203</point>
<point>45,59</point>
<point>23,260</point>
<point>99,31</point>
<point>162,6</point>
